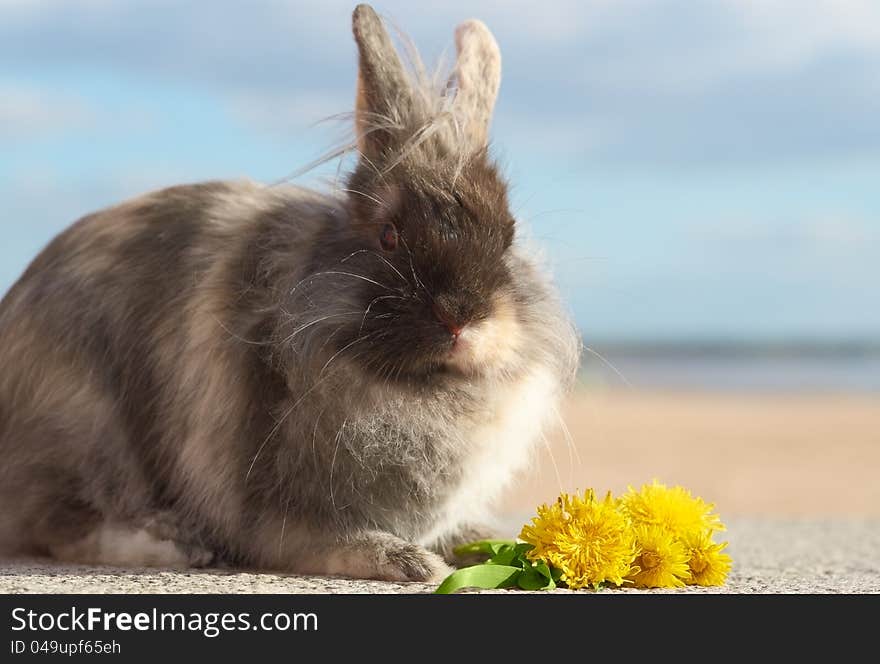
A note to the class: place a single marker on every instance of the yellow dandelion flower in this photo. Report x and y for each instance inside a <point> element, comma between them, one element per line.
<point>708,565</point>
<point>662,561</point>
<point>672,508</point>
<point>588,540</point>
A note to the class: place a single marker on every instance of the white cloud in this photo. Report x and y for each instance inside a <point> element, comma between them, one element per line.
<point>32,111</point>
<point>284,113</point>
<point>674,49</point>
<point>801,29</point>
<point>828,234</point>
<point>629,81</point>
<point>27,111</point>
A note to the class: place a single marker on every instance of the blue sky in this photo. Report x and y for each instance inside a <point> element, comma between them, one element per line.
<point>702,170</point>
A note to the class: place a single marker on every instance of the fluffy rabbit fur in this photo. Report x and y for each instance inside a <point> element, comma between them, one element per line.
<point>275,378</point>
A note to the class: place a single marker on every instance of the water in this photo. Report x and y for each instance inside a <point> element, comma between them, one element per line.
<point>818,371</point>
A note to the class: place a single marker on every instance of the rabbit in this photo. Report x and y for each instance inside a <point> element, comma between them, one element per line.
<point>272,378</point>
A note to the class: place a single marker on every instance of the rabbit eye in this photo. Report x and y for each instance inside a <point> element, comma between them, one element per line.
<point>388,237</point>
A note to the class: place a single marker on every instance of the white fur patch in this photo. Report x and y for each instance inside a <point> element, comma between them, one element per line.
<point>501,447</point>
<point>122,546</point>
<point>491,343</point>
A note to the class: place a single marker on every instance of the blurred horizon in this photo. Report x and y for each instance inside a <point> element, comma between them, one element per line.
<point>698,175</point>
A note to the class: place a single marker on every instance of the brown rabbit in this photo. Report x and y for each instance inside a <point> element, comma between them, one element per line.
<point>276,378</point>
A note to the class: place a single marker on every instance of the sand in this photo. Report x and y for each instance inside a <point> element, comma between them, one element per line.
<point>778,455</point>
<point>794,476</point>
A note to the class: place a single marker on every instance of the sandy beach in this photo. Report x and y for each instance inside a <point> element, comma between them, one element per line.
<point>793,476</point>
<point>766,454</point>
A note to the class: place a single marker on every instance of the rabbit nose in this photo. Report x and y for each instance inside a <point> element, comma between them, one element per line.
<point>454,327</point>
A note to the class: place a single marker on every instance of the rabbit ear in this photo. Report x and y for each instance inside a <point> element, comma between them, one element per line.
<point>383,91</point>
<point>478,73</point>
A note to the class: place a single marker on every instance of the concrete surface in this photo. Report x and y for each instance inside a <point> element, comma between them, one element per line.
<point>770,556</point>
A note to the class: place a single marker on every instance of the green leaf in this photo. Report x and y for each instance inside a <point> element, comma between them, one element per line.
<point>480,576</point>
<point>536,577</point>
<point>488,547</point>
<point>544,570</point>
<point>531,580</point>
<point>506,556</point>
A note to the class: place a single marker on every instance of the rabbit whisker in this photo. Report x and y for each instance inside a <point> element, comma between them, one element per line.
<point>337,440</point>
<point>305,326</point>
<point>237,337</point>
<point>342,350</point>
<point>281,422</point>
<point>380,257</point>
<point>413,268</point>
<point>573,452</point>
<point>608,364</point>
<point>335,272</point>
<point>355,276</point>
<point>552,461</point>
<point>283,526</point>
<point>370,306</point>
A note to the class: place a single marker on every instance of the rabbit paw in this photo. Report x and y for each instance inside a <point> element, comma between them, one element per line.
<point>384,557</point>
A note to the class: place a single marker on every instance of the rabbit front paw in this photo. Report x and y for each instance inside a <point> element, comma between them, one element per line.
<point>380,556</point>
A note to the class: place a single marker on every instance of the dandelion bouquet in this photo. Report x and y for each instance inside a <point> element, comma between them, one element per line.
<point>656,537</point>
